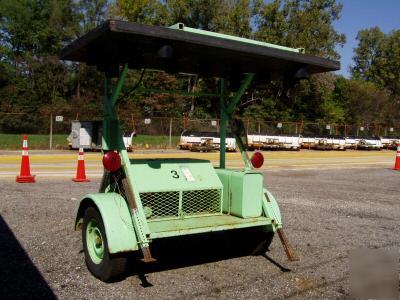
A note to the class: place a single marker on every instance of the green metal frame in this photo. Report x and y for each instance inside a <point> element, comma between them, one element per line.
<point>227,109</point>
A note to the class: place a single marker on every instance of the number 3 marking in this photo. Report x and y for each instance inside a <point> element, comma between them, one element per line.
<point>174,174</point>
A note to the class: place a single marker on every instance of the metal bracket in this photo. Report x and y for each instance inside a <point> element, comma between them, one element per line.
<point>139,227</point>
<point>288,248</point>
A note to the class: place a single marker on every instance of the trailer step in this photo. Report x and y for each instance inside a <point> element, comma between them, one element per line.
<point>175,227</point>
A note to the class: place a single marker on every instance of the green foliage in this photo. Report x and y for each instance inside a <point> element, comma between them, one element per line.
<point>139,11</point>
<point>302,24</point>
<point>377,58</point>
<point>363,101</point>
<point>377,64</point>
<point>92,13</point>
<point>227,16</point>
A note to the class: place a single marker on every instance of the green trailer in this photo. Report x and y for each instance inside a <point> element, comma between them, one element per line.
<point>141,200</point>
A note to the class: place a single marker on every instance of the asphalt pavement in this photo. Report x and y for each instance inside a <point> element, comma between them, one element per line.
<point>327,213</point>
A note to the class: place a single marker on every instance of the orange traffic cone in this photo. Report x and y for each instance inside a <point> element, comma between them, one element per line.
<point>397,160</point>
<point>25,173</point>
<point>80,172</point>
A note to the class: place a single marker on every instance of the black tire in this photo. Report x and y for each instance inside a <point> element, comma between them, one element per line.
<point>110,266</point>
<point>250,241</point>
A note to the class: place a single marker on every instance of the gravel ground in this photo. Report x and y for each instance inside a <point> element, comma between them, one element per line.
<point>326,214</point>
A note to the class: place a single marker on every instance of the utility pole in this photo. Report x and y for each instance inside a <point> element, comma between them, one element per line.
<point>51,131</point>
<point>170,132</point>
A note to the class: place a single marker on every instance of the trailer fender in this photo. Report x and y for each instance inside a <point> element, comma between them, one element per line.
<point>116,217</point>
<point>271,209</point>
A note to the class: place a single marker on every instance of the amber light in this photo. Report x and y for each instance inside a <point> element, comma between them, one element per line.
<point>111,161</point>
<point>257,160</point>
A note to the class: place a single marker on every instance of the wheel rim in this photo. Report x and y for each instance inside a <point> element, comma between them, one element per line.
<point>94,242</point>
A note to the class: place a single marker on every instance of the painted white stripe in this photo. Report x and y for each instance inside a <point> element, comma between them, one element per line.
<point>25,144</point>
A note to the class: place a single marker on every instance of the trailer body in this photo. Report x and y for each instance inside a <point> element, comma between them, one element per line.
<point>150,199</point>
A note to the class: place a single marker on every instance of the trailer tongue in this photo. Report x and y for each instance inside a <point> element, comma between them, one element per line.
<point>141,200</point>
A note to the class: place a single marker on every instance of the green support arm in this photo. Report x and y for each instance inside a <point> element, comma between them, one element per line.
<point>112,141</point>
<point>236,98</point>
<point>118,87</point>
<point>226,114</point>
<point>222,125</point>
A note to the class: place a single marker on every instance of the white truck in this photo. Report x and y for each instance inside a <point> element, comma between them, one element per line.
<point>88,135</point>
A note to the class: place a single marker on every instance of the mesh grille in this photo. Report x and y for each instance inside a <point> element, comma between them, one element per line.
<point>161,204</point>
<point>166,204</point>
<point>201,202</point>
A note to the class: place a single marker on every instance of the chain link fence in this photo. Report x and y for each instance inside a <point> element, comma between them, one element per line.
<point>52,131</point>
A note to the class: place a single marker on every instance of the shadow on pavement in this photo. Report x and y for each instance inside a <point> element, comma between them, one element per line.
<point>184,251</point>
<point>19,277</point>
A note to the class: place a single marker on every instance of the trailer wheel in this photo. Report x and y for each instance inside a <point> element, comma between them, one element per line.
<point>99,261</point>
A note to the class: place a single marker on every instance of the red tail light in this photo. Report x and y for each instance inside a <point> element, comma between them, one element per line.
<point>111,161</point>
<point>257,160</point>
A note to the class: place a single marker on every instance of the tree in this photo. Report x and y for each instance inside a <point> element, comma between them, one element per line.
<point>366,102</point>
<point>377,58</point>
<point>92,13</point>
<point>301,24</point>
<point>33,32</point>
<point>229,16</point>
<point>314,100</point>
<point>139,11</point>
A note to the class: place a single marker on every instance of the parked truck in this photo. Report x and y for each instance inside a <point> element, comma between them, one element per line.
<point>88,135</point>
